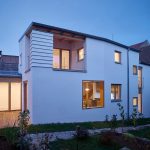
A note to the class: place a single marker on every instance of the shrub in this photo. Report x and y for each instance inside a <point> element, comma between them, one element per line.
<point>113,122</point>
<point>134,117</point>
<point>81,133</point>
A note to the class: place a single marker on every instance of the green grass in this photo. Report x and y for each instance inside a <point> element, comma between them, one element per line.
<point>145,133</point>
<point>87,144</point>
<point>10,133</point>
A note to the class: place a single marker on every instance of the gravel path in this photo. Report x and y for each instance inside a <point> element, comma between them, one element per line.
<point>52,136</point>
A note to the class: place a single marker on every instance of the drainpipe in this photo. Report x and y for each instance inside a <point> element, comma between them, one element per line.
<point>128,84</point>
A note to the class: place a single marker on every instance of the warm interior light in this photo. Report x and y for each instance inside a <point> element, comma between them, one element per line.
<point>87,89</point>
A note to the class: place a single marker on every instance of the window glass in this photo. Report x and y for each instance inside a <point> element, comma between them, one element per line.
<point>135,101</point>
<point>117,57</point>
<point>81,54</point>
<point>93,94</point>
<point>15,96</point>
<point>115,92</point>
<point>56,58</point>
<point>65,59</point>
<point>4,96</point>
<point>134,70</point>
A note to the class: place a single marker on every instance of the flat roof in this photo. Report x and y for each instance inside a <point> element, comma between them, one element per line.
<point>10,74</point>
<point>35,25</point>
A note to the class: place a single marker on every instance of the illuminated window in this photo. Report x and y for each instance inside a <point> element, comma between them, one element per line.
<point>134,70</point>
<point>61,59</point>
<point>117,57</point>
<point>65,59</point>
<point>135,101</point>
<point>15,96</point>
<point>92,94</point>
<point>56,58</point>
<point>81,54</point>
<point>4,96</point>
<point>116,92</point>
<point>10,96</point>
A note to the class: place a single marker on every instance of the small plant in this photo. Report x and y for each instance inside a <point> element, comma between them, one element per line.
<point>140,116</point>
<point>122,114</point>
<point>24,141</point>
<point>45,142</point>
<point>81,133</point>
<point>106,118</point>
<point>134,117</point>
<point>113,122</point>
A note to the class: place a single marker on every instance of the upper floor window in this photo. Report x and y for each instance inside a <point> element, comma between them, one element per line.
<point>92,94</point>
<point>134,69</point>
<point>117,57</point>
<point>61,59</point>
<point>80,54</point>
<point>116,92</point>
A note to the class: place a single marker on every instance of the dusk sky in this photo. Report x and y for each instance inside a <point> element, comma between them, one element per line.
<point>126,21</point>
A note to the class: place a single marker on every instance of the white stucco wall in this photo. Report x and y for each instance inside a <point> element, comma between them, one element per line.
<point>56,96</point>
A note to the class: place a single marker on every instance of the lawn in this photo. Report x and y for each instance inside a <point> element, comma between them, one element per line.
<point>10,133</point>
<point>145,133</point>
<point>91,143</point>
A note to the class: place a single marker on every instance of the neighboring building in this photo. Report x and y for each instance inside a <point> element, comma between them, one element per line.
<point>144,50</point>
<point>69,76</point>
<point>10,89</point>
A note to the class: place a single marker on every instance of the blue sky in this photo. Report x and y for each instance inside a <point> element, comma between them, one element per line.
<point>127,21</point>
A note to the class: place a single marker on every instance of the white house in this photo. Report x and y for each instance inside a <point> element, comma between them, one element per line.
<point>69,76</point>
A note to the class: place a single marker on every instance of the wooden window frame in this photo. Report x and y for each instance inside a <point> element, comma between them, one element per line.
<point>116,100</point>
<point>9,81</point>
<point>119,57</point>
<point>103,94</point>
<point>60,59</point>
<point>78,50</point>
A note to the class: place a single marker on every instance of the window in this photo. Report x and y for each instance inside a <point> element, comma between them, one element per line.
<point>92,94</point>
<point>80,54</point>
<point>117,57</point>
<point>61,59</point>
<point>135,101</point>
<point>56,58</point>
<point>4,96</point>
<point>10,96</point>
<point>134,69</point>
<point>15,96</point>
<point>116,92</point>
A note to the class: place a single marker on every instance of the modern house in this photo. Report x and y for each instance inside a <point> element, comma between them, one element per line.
<point>69,76</point>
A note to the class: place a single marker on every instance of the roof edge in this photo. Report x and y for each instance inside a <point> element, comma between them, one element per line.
<point>78,33</point>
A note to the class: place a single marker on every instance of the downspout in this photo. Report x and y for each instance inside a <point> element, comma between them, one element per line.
<point>128,85</point>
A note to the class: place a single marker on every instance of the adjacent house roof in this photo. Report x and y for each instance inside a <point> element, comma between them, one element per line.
<point>9,66</point>
<point>47,28</point>
<point>138,46</point>
<point>144,51</point>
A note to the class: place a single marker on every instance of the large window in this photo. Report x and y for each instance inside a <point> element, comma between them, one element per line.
<point>10,96</point>
<point>117,57</point>
<point>61,59</point>
<point>92,94</point>
<point>15,96</point>
<point>115,92</point>
<point>4,96</point>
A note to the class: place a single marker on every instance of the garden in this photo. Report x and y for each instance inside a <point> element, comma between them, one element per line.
<point>111,134</point>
